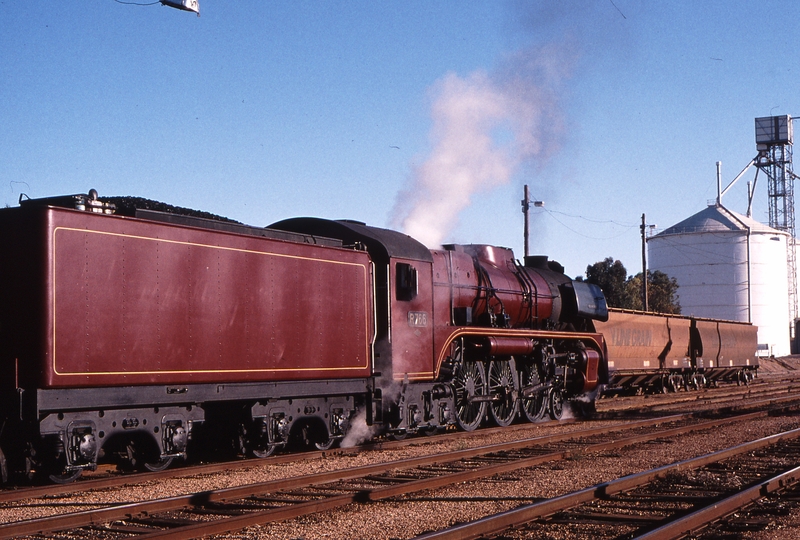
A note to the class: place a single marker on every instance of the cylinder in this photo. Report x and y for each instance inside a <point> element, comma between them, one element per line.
<point>509,346</point>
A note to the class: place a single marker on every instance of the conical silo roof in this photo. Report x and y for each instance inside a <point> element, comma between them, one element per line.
<point>717,218</point>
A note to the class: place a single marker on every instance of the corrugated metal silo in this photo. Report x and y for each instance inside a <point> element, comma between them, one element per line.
<point>729,266</point>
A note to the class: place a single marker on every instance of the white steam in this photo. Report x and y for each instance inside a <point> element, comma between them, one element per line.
<point>358,432</point>
<point>485,126</point>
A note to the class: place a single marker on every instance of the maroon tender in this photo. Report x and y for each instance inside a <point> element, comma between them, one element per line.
<point>127,301</point>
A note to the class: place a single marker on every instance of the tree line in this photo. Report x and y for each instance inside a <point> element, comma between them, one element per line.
<point>624,291</point>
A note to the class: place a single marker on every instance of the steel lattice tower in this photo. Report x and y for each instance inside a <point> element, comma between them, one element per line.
<point>774,143</point>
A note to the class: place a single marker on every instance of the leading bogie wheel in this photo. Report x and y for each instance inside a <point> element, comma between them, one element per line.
<point>504,389</point>
<point>469,383</point>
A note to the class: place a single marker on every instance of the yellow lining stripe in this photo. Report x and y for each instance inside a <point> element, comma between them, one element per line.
<point>363,267</point>
<point>533,334</point>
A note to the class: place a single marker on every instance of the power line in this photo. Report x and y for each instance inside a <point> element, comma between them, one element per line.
<point>137,3</point>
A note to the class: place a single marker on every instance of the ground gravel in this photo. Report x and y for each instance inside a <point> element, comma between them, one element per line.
<point>409,516</point>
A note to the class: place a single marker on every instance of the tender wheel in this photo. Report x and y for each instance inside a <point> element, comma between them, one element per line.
<point>159,465</point>
<point>469,382</point>
<point>556,404</point>
<point>503,384</point>
<point>535,406</point>
<point>3,468</point>
<point>264,452</point>
<point>57,469</point>
<point>260,439</point>
<point>66,477</point>
<point>326,445</point>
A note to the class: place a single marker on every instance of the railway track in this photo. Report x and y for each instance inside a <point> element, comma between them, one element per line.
<point>111,478</point>
<point>654,402</point>
<point>267,502</point>
<point>668,502</point>
<point>611,408</point>
<point>242,506</point>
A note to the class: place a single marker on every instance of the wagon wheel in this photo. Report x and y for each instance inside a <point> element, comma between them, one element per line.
<point>137,455</point>
<point>743,378</point>
<point>503,384</point>
<point>533,407</point>
<point>469,382</point>
<point>555,405</point>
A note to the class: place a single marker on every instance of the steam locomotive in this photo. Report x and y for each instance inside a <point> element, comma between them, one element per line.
<point>140,336</point>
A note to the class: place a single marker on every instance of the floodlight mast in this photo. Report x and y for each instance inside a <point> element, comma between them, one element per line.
<point>185,5</point>
<point>774,139</point>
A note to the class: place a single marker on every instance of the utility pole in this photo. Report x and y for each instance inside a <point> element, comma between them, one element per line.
<point>526,206</point>
<point>644,263</point>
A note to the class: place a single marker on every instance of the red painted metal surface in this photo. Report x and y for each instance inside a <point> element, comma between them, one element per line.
<point>508,346</point>
<point>129,301</point>
<point>645,342</point>
<point>497,272</point>
<point>736,345</point>
<point>412,324</point>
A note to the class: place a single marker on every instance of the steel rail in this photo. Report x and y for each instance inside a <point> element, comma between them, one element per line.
<point>260,517</point>
<point>745,405</point>
<point>497,523</point>
<point>756,390</point>
<point>10,495</point>
<point>699,519</point>
<point>89,484</point>
<point>103,515</point>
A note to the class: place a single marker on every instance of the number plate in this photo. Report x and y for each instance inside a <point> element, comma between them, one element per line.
<point>417,319</point>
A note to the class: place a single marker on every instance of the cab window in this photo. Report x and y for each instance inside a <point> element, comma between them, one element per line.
<point>406,280</point>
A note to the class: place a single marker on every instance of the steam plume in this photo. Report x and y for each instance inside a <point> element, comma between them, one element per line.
<point>485,126</point>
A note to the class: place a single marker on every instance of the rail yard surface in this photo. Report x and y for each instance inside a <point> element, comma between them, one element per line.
<point>149,340</point>
<point>425,485</point>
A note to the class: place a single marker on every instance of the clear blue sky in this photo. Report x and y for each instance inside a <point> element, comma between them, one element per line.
<point>260,111</point>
